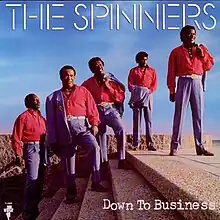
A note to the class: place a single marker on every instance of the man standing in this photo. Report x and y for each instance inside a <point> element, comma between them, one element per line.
<point>67,111</point>
<point>28,133</point>
<point>108,91</point>
<point>188,62</point>
<point>142,82</point>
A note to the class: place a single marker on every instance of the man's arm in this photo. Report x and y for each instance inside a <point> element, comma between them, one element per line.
<point>115,90</point>
<point>115,79</point>
<point>154,82</point>
<point>171,76</point>
<point>131,80</point>
<point>92,112</point>
<point>17,136</point>
<point>206,58</point>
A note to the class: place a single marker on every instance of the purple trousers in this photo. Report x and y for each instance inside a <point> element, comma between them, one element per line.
<point>189,91</point>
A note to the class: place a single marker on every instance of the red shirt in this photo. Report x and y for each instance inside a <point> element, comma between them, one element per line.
<point>180,64</point>
<point>81,103</point>
<point>102,94</point>
<point>29,126</point>
<point>145,78</point>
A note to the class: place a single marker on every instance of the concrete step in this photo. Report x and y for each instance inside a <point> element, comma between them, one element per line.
<point>51,205</point>
<point>43,203</point>
<point>195,191</point>
<point>71,211</point>
<point>209,164</point>
<point>205,163</point>
<point>92,206</point>
<point>135,197</point>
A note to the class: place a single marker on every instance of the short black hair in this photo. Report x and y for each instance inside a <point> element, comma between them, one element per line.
<point>67,67</point>
<point>93,60</point>
<point>185,29</point>
<point>140,55</point>
<point>29,98</point>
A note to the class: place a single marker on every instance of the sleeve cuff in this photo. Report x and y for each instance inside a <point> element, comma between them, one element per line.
<point>18,152</point>
<point>95,123</point>
<point>205,58</point>
<point>150,91</point>
<point>172,90</point>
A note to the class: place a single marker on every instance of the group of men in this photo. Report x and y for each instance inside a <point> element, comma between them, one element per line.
<point>79,116</point>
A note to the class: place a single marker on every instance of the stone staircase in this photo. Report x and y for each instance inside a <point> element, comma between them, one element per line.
<point>158,187</point>
<point>192,182</point>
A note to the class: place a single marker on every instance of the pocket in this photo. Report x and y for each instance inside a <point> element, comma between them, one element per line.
<point>115,113</point>
<point>32,148</point>
<point>81,125</point>
<point>37,148</point>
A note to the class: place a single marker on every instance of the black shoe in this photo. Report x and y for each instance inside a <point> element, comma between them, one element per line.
<point>71,195</point>
<point>123,164</point>
<point>204,152</point>
<point>134,148</point>
<point>152,148</point>
<point>104,170</point>
<point>173,153</point>
<point>70,198</point>
<point>97,187</point>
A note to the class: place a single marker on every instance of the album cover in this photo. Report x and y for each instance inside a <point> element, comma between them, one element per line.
<point>109,110</point>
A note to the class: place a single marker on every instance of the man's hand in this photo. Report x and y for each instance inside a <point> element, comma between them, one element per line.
<point>19,161</point>
<point>199,52</point>
<point>94,130</point>
<point>172,97</point>
<point>106,82</point>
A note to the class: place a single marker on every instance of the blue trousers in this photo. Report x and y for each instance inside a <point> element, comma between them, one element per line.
<point>188,91</point>
<point>33,155</point>
<point>109,116</point>
<point>137,115</point>
<point>81,136</point>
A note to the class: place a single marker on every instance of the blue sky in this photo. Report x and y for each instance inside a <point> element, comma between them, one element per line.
<point>30,59</point>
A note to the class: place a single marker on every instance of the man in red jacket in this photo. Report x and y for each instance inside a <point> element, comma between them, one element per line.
<point>29,129</point>
<point>106,92</point>
<point>68,111</point>
<point>188,62</point>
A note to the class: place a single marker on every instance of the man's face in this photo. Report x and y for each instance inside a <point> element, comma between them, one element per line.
<point>35,103</point>
<point>142,61</point>
<point>68,78</point>
<point>189,37</point>
<point>98,68</point>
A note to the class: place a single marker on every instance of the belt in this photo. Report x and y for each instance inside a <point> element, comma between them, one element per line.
<point>193,76</point>
<point>31,142</point>
<point>105,104</point>
<point>70,117</point>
